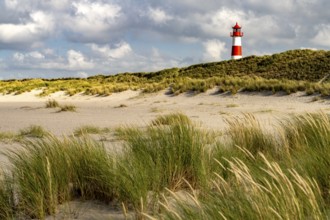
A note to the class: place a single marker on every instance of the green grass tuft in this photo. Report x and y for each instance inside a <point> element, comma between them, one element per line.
<point>52,104</point>
<point>68,108</point>
<point>88,129</point>
<point>34,131</point>
<point>170,119</point>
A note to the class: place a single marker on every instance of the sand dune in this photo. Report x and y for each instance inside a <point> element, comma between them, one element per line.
<point>132,107</point>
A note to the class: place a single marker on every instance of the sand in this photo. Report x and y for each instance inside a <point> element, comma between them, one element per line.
<point>210,109</point>
<point>131,107</point>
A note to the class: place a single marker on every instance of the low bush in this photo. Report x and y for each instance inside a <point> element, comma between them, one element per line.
<point>68,108</point>
<point>34,131</point>
<point>52,104</point>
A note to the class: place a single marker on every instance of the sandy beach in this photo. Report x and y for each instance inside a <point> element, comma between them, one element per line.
<point>131,107</point>
<point>210,109</point>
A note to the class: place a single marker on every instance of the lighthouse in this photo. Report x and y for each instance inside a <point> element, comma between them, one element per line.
<point>236,50</point>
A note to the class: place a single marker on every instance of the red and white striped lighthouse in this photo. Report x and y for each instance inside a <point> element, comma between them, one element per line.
<point>236,51</point>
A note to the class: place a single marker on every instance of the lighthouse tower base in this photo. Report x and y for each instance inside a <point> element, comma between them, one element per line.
<point>236,51</point>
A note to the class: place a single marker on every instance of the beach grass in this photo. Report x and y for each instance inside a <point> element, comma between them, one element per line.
<point>174,169</point>
<point>289,72</point>
<point>90,129</point>
<point>33,131</point>
<point>51,103</point>
<point>67,108</point>
<point>9,136</point>
<point>274,194</point>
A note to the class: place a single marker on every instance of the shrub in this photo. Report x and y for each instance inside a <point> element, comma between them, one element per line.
<point>34,131</point>
<point>88,129</point>
<point>170,119</point>
<point>68,108</point>
<point>52,104</point>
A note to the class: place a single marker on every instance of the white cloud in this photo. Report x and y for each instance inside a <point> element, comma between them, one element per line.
<point>92,20</point>
<point>19,57</point>
<point>11,4</point>
<point>213,50</point>
<point>82,75</point>
<point>120,50</point>
<point>308,48</point>
<point>77,61</point>
<point>56,4</point>
<point>219,23</point>
<point>36,55</point>
<point>277,6</point>
<point>36,29</point>
<point>31,5</point>
<point>322,37</point>
<point>158,15</point>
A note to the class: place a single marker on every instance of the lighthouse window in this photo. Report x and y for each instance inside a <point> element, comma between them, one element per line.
<point>237,30</point>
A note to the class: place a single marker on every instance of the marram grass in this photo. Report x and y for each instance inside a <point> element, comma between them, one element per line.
<point>289,72</point>
<point>173,169</point>
<point>280,195</point>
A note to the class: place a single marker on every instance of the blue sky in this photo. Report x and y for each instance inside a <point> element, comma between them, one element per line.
<point>80,38</point>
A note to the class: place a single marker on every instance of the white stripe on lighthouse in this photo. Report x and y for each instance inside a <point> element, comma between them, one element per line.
<point>237,41</point>
<point>236,57</point>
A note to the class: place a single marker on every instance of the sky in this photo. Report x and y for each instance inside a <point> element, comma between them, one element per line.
<point>81,38</point>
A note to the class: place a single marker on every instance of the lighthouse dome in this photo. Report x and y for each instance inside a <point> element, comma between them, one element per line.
<point>237,26</point>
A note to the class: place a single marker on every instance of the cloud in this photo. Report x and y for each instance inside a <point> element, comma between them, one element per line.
<point>82,75</point>
<point>28,33</point>
<point>213,50</point>
<point>218,23</point>
<point>322,38</point>
<point>36,55</point>
<point>47,60</point>
<point>20,57</point>
<point>92,21</point>
<point>12,4</point>
<point>120,50</point>
<point>77,61</point>
<point>63,37</point>
<point>158,15</point>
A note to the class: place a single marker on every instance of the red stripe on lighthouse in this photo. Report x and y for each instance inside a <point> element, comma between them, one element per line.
<point>236,51</point>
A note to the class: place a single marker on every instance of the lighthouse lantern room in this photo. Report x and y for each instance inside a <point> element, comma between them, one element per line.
<point>236,51</point>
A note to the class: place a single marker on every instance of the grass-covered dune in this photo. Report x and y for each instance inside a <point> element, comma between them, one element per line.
<point>290,71</point>
<point>174,169</point>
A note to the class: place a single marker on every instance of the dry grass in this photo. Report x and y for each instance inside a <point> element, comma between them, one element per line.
<point>68,108</point>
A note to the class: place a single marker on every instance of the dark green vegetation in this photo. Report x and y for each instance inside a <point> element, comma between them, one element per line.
<point>62,108</point>
<point>173,169</point>
<point>52,104</point>
<point>291,71</point>
<point>68,108</point>
<point>33,131</point>
<point>88,129</point>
